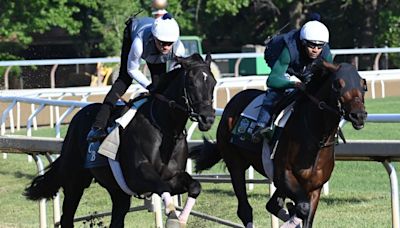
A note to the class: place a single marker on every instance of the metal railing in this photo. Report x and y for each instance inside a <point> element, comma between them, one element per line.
<point>237,56</point>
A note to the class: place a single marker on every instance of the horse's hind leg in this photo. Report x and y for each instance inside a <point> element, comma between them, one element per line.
<point>237,169</point>
<point>73,191</point>
<point>275,205</point>
<point>121,203</point>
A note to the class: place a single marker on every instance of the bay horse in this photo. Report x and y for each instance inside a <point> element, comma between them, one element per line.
<point>304,155</point>
<point>153,150</point>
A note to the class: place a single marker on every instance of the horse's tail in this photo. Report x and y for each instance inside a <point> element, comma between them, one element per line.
<point>45,186</point>
<point>205,155</point>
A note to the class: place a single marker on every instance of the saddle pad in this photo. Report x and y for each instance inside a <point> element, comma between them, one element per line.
<point>243,130</point>
<point>109,147</point>
<point>93,158</point>
<point>242,134</point>
<point>252,109</point>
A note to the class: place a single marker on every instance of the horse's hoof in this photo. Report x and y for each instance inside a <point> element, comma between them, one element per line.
<point>250,225</point>
<point>172,221</point>
<point>293,222</point>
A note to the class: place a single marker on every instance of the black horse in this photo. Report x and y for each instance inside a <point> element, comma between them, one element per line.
<point>304,156</point>
<point>153,149</point>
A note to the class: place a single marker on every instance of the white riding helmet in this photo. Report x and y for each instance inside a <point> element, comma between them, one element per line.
<point>165,29</point>
<point>315,32</point>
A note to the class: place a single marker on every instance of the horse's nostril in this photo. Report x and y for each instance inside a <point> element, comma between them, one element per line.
<point>358,116</point>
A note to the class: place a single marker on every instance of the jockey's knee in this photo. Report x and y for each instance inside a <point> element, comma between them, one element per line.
<point>194,189</point>
<point>302,210</point>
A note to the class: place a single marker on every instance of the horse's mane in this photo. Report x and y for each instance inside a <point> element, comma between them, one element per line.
<point>195,58</point>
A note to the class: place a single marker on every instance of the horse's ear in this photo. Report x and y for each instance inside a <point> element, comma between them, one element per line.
<point>331,67</point>
<point>208,58</point>
<point>182,61</point>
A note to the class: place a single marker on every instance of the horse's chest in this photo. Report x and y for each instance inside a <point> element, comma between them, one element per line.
<point>170,145</point>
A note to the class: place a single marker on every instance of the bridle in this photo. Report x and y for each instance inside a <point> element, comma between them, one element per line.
<point>338,111</point>
<point>322,105</point>
<point>189,104</point>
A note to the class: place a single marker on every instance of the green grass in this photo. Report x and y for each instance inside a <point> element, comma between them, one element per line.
<point>359,191</point>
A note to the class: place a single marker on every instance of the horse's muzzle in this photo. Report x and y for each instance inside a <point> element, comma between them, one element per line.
<point>357,119</point>
<point>206,121</point>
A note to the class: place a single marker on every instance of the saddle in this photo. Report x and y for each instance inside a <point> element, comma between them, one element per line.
<point>243,130</point>
<point>121,115</point>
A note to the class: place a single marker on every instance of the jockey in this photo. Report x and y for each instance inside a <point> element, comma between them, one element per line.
<point>154,40</point>
<point>301,49</point>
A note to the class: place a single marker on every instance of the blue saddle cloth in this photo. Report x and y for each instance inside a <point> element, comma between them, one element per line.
<point>94,159</point>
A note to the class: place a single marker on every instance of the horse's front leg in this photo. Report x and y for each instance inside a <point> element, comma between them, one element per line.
<point>314,200</point>
<point>275,205</point>
<point>182,183</point>
<point>302,203</point>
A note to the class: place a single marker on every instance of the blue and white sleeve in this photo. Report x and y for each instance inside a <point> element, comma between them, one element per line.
<point>134,59</point>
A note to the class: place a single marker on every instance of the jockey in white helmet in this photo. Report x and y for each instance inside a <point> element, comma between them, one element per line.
<point>154,40</point>
<point>292,53</point>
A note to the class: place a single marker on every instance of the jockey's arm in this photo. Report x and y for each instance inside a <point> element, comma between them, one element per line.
<point>277,78</point>
<point>179,51</point>
<point>328,57</point>
<point>133,65</point>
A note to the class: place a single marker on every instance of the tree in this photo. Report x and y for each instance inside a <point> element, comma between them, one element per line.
<point>21,19</point>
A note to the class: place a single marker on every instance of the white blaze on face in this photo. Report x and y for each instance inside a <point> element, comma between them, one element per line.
<point>205,75</point>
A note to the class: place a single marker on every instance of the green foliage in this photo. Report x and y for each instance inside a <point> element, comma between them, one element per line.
<point>389,30</point>
<point>96,26</point>
<point>222,7</point>
<point>21,19</point>
<point>109,24</point>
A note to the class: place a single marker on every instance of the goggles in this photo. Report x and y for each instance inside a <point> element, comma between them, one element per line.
<point>312,45</point>
<point>164,43</point>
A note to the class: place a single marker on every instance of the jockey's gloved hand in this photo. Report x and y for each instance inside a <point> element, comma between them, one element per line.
<point>301,86</point>
<point>151,88</point>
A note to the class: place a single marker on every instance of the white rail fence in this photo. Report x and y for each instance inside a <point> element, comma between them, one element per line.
<point>57,95</point>
<point>218,57</point>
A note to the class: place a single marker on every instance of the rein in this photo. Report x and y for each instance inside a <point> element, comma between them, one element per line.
<point>322,104</point>
<point>171,103</point>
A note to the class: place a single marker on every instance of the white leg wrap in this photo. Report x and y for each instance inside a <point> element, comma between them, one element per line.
<point>250,225</point>
<point>167,199</point>
<point>293,222</point>
<point>183,217</point>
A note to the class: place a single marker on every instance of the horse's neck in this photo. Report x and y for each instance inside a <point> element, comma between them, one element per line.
<point>317,124</point>
<point>168,118</point>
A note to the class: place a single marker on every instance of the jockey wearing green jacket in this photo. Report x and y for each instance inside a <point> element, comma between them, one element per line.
<point>301,49</point>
